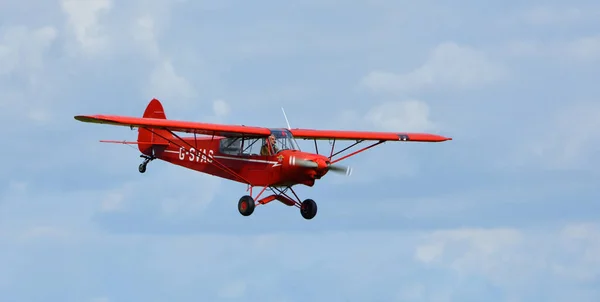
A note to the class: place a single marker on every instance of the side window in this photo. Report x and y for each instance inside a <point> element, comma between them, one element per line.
<point>252,146</point>
<point>231,146</point>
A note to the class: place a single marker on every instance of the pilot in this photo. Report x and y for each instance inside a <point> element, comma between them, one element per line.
<point>265,148</point>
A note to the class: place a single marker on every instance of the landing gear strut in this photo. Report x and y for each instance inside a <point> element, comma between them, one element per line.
<point>247,204</point>
<point>147,159</point>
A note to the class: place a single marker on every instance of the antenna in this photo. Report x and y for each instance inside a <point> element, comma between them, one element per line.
<point>286,119</point>
<point>289,127</point>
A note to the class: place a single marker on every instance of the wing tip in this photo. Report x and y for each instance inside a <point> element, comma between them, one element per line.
<point>440,138</point>
<point>423,137</point>
<point>97,119</point>
<point>83,118</point>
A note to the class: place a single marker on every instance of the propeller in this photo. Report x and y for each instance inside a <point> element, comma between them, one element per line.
<point>340,169</point>
<point>330,167</point>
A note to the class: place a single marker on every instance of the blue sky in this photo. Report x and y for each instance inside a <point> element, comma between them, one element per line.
<point>507,211</point>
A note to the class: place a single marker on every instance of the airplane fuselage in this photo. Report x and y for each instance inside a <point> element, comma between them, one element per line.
<point>208,155</point>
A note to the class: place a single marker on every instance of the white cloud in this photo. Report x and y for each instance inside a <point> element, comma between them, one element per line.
<point>22,50</point>
<point>221,108</point>
<point>583,49</point>
<point>511,258</point>
<point>412,292</point>
<point>569,139</point>
<point>24,64</point>
<point>406,115</point>
<point>449,66</point>
<point>233,290</point>
<point>84,20</point>
<point>586,48</point>
<point>98,28</point>
<point>429,252</point>
<point>144,33</point>
<point>581,231</point>
<point>518,263</point>
<point>394,116</point>
<point>411,115</point>
<point>112,202</point>
<point>168,191</point>
<point>546,15</point>
<point>480,244</point>
<point>167,84</point>
<point>42,232</point>
<point>523,48</point>
<point>18,186</point>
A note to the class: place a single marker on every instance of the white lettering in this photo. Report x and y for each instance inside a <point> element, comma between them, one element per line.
<point>199,156</point>
<point>210,156</point>
<point>192,154</point>
<point>181,155</point>
<point>203,156</point>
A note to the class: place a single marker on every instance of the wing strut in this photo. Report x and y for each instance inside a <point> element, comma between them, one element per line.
<point>332,154</point>
<point>356,152</point>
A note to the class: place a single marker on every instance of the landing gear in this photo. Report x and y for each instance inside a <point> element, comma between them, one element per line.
<point>308,209</point>
<point>246,205</point>
<point>147,159</point>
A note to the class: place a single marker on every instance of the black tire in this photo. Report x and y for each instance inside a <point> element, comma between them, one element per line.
<point>308,209</point>
<point>246,205</point>
<point>142,168</point>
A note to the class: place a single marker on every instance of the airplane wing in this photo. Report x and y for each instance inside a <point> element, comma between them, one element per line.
<point>367,135</point>
<point>176,126</point>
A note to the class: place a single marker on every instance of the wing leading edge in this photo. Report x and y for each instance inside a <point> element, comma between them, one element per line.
<point>367,135</point>
<point>239,130</point>
<point>176,126</point>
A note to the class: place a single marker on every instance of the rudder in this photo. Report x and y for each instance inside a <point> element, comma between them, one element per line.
<point>156,138</point>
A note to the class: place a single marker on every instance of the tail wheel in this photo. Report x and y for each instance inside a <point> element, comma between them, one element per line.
<point>147,159</point>
<point>308,209</point>
<point>246,205</point>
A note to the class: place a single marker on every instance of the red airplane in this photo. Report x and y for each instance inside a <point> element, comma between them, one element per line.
<point>256,156</point>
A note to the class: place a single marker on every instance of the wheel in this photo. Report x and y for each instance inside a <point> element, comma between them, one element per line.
<point>246,205</point>
<point>308,209</point>
<point>142,168</point>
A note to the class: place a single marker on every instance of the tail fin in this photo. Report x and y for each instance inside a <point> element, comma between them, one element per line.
<point>156,140</point>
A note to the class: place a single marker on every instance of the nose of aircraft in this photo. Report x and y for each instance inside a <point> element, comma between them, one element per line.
<point>320,164</point>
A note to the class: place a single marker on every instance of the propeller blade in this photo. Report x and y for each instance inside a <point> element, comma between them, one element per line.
<point>341,169</point>
<point>305,163</point>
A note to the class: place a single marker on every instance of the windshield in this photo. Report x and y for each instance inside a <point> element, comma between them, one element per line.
<point>284,140</point>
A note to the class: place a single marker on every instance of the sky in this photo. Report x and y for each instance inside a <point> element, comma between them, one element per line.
<point>506,211</point>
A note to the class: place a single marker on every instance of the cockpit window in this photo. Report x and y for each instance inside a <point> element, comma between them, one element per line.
<point>284,140</point>
<point>249,146</point>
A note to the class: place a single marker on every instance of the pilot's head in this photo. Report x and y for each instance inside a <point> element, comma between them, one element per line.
<point>272,139</point>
